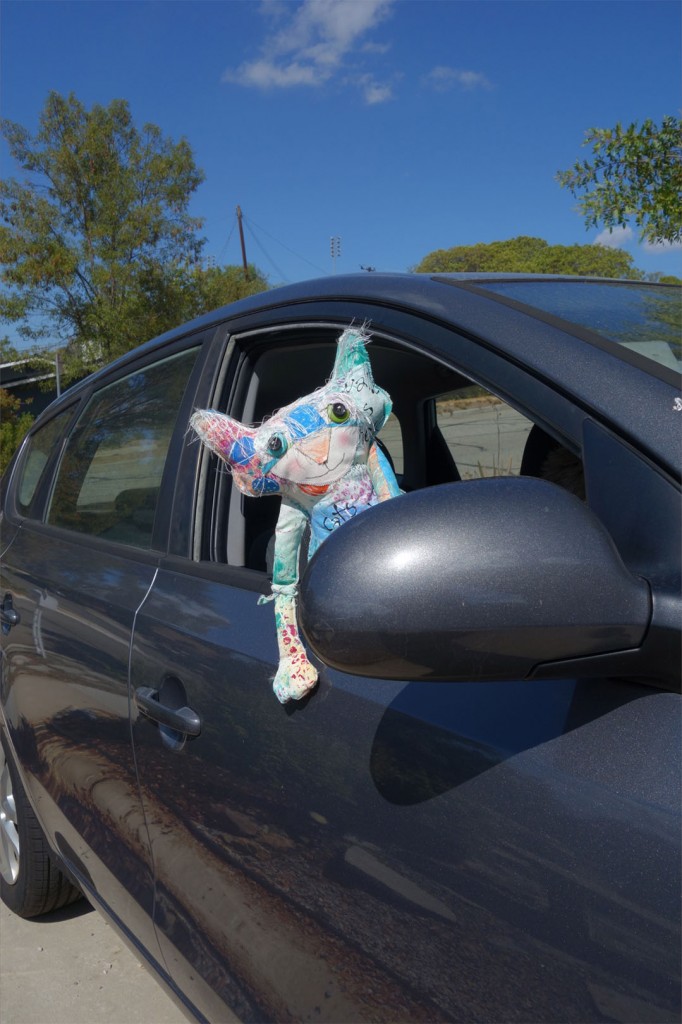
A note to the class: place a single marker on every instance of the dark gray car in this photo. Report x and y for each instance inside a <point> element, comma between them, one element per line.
<point>476,814</point>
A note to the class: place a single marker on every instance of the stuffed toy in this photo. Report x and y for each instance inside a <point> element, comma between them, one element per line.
<point>320,455</point>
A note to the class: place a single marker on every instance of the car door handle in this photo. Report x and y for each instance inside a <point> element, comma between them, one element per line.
<point>183,720</point>
<point>9,616</point>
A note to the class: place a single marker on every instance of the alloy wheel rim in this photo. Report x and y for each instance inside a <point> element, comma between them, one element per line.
<point>9,833</point>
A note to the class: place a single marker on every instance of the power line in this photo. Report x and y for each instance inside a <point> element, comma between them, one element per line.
<point>224,248</point>
<point>267,256</point>
<point>292,251</point>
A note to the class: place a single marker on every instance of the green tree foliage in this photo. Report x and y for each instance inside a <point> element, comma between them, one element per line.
<point>635,174</point>
<point>13,426</point>
<point>170,293</point>
<point>530,256</point>
<point>97,246</point>
<point>8,353</point>
<point>217,286</point>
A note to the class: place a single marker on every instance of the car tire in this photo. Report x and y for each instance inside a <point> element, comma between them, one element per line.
<point>31,883</point>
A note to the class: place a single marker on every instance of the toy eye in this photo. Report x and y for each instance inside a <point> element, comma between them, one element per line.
<point>337,412</point>
<point>276,445</point>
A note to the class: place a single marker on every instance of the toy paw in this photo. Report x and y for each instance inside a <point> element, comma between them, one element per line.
<point>294,679</point>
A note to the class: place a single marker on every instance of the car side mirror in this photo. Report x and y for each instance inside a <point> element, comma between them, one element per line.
<point>479,580</point>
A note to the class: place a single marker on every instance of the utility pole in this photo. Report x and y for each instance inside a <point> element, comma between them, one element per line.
<point>335,250</point>
<point>241,239</point>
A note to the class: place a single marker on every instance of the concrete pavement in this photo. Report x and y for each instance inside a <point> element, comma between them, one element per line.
<point>70,967</point>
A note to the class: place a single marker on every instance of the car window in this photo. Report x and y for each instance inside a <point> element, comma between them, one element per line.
<point>39,447</point>
<point>109,478</point>
<point>642,317</point>
<point>486,437</point>
<point>391,439</point>
<point>443,429</point>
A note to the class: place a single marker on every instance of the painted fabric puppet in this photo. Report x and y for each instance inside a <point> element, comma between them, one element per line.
<point>320,454</point>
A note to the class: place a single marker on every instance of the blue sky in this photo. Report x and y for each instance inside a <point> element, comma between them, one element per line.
<point>399,126</point>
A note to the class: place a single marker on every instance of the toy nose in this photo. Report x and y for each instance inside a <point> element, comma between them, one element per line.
<point>316,447</point>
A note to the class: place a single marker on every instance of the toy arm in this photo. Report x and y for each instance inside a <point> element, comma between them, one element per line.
<point>383,478</point>
<point>289,531</point>
<point>295,675</point>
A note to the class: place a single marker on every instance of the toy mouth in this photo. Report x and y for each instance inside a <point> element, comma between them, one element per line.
<point>314,489</point>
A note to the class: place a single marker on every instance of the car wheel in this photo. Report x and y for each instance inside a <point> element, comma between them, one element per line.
<point>30,881</point>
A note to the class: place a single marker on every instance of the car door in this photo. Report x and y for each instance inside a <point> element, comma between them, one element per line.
<point>76,572</point>
<point>389,850</point>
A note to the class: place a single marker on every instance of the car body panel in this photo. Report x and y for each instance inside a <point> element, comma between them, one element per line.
<point>65,701</point>
<point>361,856</point>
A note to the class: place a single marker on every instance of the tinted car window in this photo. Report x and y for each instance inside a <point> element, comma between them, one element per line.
<point>485,435</point>
<point>110,474</point>
<point>38,450</point>
<point>640,317</point>
<point>391,437</point>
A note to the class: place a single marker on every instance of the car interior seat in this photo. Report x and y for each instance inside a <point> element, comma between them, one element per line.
<point>546,458</point>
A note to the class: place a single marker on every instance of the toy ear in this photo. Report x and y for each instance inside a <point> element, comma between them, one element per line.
<point>351,354</point>
<point>234,444</point>
<point>229,439</point>
<point>352,365</point>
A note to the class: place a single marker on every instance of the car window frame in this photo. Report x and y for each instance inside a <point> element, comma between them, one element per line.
<point>393,325</point>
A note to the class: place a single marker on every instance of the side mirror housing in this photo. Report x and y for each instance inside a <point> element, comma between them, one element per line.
<point>480,580</point>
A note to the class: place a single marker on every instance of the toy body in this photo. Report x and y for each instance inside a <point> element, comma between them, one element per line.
<point>319,453</point>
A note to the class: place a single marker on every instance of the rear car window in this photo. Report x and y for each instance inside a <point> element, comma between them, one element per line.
<point>39,447</point>
<point>110,474</point>
<point>486,437</point>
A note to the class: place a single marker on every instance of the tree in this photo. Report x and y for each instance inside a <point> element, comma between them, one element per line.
<point>8,353</point>
<point>217,286</point>
<point>531,256</point>
<point>103,206</point>
<point>13,426</point>
<point>635,173</point>
<point>180,293</point>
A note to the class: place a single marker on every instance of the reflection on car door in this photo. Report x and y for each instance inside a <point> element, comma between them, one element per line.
<point>389,851</point>
<point>83,573</point>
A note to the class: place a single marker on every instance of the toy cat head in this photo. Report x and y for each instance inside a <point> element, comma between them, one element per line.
<point>311,443</point>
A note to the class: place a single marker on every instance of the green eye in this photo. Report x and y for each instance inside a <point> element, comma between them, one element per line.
<point>337,412</point>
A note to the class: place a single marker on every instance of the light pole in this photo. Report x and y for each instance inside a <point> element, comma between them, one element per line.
<point>335,250</point>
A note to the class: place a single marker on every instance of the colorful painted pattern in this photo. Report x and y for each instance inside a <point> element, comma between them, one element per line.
<point>320,454</point>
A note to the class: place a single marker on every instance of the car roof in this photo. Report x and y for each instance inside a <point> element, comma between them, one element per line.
<point>620,386</point>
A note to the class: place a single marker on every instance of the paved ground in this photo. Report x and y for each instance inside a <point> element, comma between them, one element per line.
<point>70,967</point>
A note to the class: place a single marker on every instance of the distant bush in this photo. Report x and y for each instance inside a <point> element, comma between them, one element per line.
<point>14,424</point>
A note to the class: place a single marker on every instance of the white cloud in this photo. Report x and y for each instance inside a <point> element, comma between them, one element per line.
<point>614,238</point>
<point>663,246</point>
<point>373,91</point>
<point>443,79</point>
<point>310,42</point>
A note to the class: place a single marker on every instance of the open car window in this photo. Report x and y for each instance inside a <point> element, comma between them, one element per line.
<point>443,429</point>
